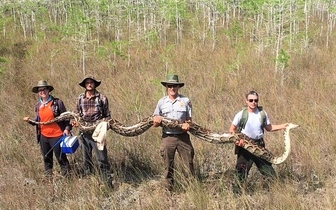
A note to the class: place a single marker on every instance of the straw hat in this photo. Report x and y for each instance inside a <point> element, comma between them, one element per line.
<point>42,83</point>
<point>172,79</point>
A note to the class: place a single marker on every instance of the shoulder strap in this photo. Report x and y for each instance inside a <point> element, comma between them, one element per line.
<point>99,103</point>
<point>263,116</point>
<point>56,107</point>
<point>37,106</point>
<point>80,103</point>
<point>243,120</point>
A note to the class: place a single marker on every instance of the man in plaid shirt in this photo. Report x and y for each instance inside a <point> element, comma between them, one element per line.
<point>93,106</point>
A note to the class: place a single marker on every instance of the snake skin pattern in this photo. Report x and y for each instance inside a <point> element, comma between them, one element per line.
<point>195,129</point>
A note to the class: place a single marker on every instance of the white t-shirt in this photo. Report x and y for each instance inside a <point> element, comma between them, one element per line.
<point>253,127</point>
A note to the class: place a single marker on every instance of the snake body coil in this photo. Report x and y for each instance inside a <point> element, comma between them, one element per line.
<point>195,129</point>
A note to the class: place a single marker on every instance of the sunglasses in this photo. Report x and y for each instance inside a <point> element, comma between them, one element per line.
<point>172,86</point>
<point>251,100</point>
<point>42,89</point>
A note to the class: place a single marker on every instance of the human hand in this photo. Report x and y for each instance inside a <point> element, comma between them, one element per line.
<point>67,132</point>
<point>285,125</point>
<point>157,120</point>
<point>185,126</point>
<point>75,124</point>
<point>240,143</point>
<point>26,119</point>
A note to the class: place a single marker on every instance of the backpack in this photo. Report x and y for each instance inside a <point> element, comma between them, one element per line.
<point>98,103</point>
<point>244,118</point>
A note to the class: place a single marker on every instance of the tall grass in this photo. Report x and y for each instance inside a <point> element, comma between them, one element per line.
<point>219,49</point>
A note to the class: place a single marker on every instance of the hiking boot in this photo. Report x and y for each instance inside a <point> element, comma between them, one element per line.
<point>83,172</point>
<point>109,181</point>
<point>66,171</point>
<point>49,173</point>
<point>236,189</point>
<point>48,176</point>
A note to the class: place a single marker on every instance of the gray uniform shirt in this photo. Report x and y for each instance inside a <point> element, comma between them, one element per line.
<point>179,109</point>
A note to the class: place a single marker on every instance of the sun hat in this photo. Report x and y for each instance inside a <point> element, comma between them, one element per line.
<point>97,82</point>
<point>172,79</point>
<point>42,83</point>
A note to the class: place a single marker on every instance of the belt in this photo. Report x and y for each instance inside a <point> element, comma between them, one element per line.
<point>257,140</point>
<point>172,134</point>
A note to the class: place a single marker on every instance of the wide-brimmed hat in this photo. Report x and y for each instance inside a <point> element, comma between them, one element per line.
<point>97,82</point>
<point>172,79</point>
<point>42,83</point>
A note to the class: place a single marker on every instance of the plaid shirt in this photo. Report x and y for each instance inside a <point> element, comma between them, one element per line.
<point>93,108</point>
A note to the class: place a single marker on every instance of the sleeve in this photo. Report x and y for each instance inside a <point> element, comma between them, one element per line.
<point>189,109</point>
<point>237,118</point>
<point>106,109</point>
<point>157,111</point>
<point>78,105</point>
<point>268,121</point>
<point>36,118</point>
<point>62,109</point>
<point>61,106</point>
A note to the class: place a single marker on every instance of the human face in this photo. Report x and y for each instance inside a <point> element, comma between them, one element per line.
<point>172,90</point>
<point>43,92</point>
<point>252,101</point>
<point>90,84</point>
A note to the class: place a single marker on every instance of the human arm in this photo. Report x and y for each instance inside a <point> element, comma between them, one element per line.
<point>157,120</point>
<point>157,115</point>
<point>66,123</point>
<point>29,120</point>
<point>106,109</point>
<point>75,123</point>
<point>186,124</point>
<point>271,127</point>
<point>233,128</point>
<point>236,122</point>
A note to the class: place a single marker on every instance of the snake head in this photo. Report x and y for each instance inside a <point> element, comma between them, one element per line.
<point>291,125</point>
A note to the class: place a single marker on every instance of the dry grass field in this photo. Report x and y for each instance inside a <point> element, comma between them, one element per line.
<point>217,73</point>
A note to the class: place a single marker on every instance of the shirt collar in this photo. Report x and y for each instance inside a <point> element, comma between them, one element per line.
<point>45,103</point>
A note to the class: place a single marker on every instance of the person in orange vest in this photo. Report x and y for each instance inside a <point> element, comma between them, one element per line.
<point>47,108</point>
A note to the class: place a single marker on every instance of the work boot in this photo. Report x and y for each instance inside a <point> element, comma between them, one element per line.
<point>66,171</point>
<point>48,176</point>
<point>86,171</point>
<point>108,178</point>
<point>236,189</point>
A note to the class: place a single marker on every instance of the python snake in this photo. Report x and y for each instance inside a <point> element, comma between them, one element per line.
<point>195,129</point>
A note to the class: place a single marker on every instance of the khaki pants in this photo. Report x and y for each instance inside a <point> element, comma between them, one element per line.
<point>182,144</point>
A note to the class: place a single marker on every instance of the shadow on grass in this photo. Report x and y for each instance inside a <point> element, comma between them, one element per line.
<point>133,168</point>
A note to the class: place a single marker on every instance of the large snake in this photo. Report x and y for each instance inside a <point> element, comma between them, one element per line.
<point>195,129</point>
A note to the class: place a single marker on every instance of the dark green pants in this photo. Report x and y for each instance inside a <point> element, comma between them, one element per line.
<point>245,161</point>
<point>88,146</point>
